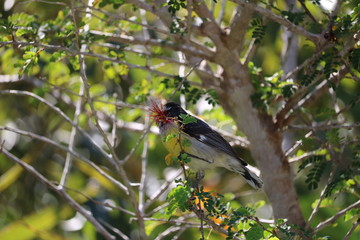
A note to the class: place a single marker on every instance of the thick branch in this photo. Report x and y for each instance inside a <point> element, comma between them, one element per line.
<point>315,38</point>
<point>196,50</point>
<point>235,40</point>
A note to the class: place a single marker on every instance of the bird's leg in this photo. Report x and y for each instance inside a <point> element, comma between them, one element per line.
<point>199,174</point>
<point>198,177</point>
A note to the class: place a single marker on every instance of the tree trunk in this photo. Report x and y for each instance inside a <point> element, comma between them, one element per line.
<point>265,145</point>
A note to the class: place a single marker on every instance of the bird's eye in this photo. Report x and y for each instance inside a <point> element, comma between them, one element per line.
<point>167,109</point>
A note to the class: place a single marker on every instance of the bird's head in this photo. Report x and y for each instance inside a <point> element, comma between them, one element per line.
<point>163,114</point>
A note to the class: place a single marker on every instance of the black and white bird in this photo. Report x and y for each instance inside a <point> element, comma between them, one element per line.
<point>206,147</point>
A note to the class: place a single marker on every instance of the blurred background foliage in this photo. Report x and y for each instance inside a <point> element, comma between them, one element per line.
<point>128,75</point>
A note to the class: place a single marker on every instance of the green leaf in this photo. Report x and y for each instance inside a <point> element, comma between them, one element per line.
<point>186,118</point>
<point>170,136</point>
<point>326,202</point>
<point>123,69</point>
<point>258,29</point>
<point>314,175</point>
<point>186,143</point>
<point>75,62</point>
<point>178,199</point>
<point>256,232</point>
<point>97,89</point>
<point>311,160</point>
<point>351,214</point>
<point>29,55</point>
<point>21,32</point>
<point>295,17</point>
<point>29,226</point>
<point>333,137</point>
<point>355,58</point>
<point>56,56</point>
<point>21,19</point>
<point>288,90</point>
<point>185,158</point>
<point>244,211</point>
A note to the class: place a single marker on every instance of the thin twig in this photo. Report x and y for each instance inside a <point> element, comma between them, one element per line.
<point>325,126</point>
<point>115,230</point>
<point>168,231</point>
<point>68,159</point>
<point>67,150</point>
<point>189,8</point>
<point>87,54</point>
<point>62,193</point>
<point>162,189</point>
<point>323,192</point>
<point>317,39</point>
<point>179,86</point>
<point>105,204</point>
<point>43,1</point>
<point>144,163</point>
<point>137,144</point>
<point>332,219</point>
<point>86,85</point>
<point>114,157</point>
<point>305,155</point>
<point>352,229</point>
<point>59,112</point>
<point>296,145</point>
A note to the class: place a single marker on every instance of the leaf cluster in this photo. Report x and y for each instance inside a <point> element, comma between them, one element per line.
<point>317,165</point>
<point>186,119</point>
<point>269,88</point>
<point>175,5</point>
<point>346,179</point>
<point>177,26</point>
<point>192,94</point>
<point>240,221</point>
<point>115,3</point>
<point>323,66</point>
<point>294,17</point>
<point>258,29</point>
<point>179,198</point>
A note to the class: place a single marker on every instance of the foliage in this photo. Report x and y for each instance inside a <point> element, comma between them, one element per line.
<point>175,5</point>
<point>193,94</point>
<point>258,29</point>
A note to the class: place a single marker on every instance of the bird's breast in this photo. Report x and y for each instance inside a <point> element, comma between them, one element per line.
<point>170,136</point>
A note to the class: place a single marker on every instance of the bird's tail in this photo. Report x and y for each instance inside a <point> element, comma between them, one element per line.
<point>252,178</point>
<point>249,176</point>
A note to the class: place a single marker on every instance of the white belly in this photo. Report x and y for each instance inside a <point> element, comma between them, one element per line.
<point>202,156</point>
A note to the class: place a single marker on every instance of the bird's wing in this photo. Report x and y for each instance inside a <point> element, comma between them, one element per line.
<point>203,133</point>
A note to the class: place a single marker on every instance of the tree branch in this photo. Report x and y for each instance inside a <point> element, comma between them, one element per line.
<point>59,112</point>
<point>88,54</point>
<point>61,193</point>
<point>67,150</point>
<point>114,158</point>
<point>336,216</point>
<point>315,38</point>
<point>238,28</point>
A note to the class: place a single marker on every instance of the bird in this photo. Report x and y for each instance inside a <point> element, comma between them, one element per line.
<point>205,147</point>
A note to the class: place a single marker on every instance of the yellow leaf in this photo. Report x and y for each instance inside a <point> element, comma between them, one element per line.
<point>168,159</point>
<point>31,226</point>
<point>11,175</point>
<point>91,172</point>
